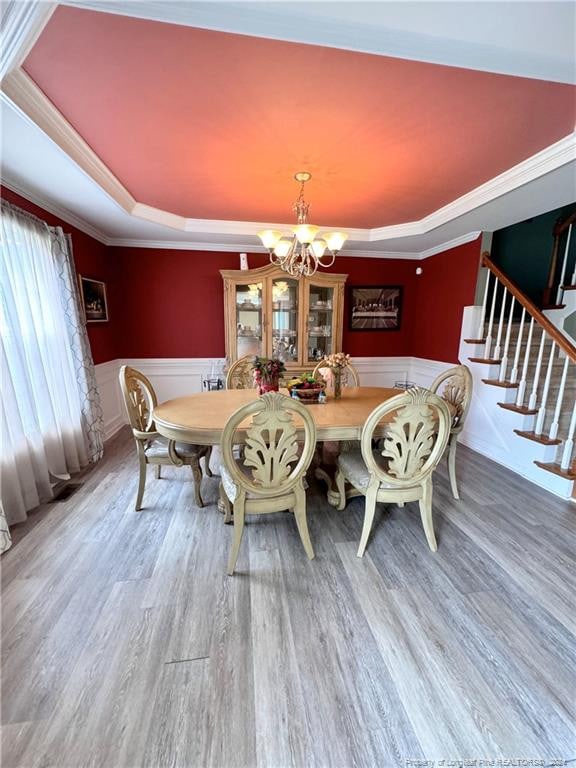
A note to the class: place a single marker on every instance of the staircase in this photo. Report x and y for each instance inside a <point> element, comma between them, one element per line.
<point>524,369</point>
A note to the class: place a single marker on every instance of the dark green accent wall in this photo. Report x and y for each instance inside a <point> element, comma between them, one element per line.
<point>523,251</point>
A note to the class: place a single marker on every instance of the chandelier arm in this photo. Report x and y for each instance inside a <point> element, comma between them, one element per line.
<point>329,264</point>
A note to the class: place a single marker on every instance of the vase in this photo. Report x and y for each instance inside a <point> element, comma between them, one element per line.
<point>267,386</point>
<point>337,383</point>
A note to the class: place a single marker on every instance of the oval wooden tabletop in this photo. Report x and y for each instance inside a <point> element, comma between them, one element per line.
<point>201,418</point>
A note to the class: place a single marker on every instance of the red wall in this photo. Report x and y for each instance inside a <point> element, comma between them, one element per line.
<point>92,259</point>
<point>170,303</point>
<point>182,293</point>
<point>447,285</point>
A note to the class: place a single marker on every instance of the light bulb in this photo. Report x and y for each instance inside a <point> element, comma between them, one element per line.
<point>269,237</point>
<point>318,247</point>
<point>335,240</point>
<point>282,248</point>
<point>305,232</point>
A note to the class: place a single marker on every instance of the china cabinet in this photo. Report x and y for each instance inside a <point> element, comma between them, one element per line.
<point>270,314</point>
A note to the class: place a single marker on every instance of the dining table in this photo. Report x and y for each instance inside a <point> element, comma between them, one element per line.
<point>200,419</point>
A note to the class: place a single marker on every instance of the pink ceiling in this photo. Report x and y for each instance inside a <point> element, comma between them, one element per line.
<point>213,126</point>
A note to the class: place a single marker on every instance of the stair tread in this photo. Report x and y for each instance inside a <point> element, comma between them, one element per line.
<point>543,439</point>
<point>504,384</point>
<point>523,409</point>
<point>556,469</point>
<point>569,287</point>
<point>475,341</point>
<point>553,306</point>
<point>487,360</point>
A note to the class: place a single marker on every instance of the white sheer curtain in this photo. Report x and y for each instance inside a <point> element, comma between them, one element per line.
<point>43,429</point>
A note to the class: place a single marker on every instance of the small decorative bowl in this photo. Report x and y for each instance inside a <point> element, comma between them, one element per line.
<point>309,395</point>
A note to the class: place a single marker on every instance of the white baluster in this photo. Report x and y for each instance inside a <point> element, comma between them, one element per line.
<point>534,395</point>
<point>554,426</point>
<point>514,373</point>
<point>522,385</point>
<point>497,348</point>
<point>504,363</point>
<point>569,444</point>
<point>491,321</point>
<point>480,334</point>
<point>563,273</point>
<point>542,412</point>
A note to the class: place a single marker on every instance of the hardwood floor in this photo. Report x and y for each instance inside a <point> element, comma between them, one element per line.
<point>125,643</point>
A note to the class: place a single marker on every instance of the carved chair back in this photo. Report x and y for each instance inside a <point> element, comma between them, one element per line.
<point>272,449</point>
<point>456,386</point>
<point>139,399</point>
<point>240,374</point>
<point>417,427</point>
<point>349,376</point>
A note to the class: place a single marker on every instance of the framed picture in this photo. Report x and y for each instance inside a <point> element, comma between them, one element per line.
<point>94,300</point>
<point>375,307</point>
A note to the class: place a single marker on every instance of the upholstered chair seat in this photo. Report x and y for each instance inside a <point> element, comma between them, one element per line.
<point>159,449</point>
<point>354,467</point>
<point>231,488</point>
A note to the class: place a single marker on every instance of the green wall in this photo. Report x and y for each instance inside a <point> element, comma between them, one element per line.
<point>523,251</point>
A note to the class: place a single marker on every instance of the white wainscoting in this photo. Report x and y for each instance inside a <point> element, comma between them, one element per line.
<point>487,430</point>
<point>174,377</point>
<point>110,396</point>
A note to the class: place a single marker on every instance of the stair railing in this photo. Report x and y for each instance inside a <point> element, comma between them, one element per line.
<point>527,376</point>
<point>554,291</point>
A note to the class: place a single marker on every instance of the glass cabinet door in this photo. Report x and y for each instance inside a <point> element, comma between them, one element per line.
<point>249,320</point>
<point>320,322</point>
<point>285,340</point>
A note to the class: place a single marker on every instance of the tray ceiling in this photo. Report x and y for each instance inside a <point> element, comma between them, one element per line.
<point>211,125</point>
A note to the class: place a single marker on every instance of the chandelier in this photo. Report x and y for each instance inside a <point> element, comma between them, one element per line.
<point>302,254</point>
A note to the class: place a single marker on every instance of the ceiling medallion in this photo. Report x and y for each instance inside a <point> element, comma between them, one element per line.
<point>301,255</point>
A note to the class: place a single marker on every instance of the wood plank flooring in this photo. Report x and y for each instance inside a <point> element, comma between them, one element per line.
<point>124,643</point>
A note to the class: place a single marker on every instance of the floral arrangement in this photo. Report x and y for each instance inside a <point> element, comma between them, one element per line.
<point>336,360</point>
<point>267,371</point>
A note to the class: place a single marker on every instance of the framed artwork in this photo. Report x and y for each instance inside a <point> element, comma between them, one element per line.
<point>375,307</point>
<point>94,300</point>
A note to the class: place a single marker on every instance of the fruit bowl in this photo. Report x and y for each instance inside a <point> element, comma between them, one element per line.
<point>306,388</point>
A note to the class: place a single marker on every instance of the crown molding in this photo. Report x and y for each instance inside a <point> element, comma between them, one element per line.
<point>22,23</point>
<point>549,159</point>
<point>54,208</point>
<point>23,92</point>
<point>366,33</point>
<point>70,218</point>
<point>25,96</point>
<point>462,240</point>
<point>240,247</point>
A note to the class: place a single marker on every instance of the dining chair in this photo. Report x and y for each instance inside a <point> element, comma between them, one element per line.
<point>240,374</point>
<point>416,426</point>
<point>269,476</point>
<point>140,401</point>
<point>457,385</point>
<point>349,375</point>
